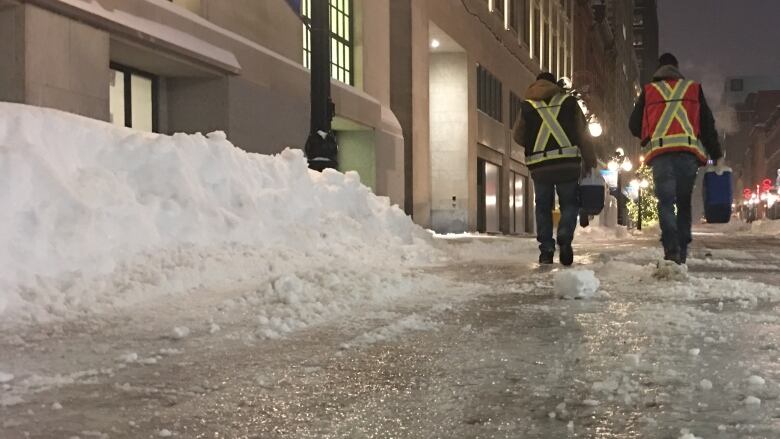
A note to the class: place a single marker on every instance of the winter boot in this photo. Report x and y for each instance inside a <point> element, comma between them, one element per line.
<point>567,255</point>
<point>584,220</point>
<point>683,254</point>
<point>673,255</point>
<point>546,257</point>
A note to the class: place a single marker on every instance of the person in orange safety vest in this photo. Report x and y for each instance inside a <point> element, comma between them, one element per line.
<point>678,135</point>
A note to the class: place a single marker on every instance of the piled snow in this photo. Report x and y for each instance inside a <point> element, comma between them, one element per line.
<point>766,227</point>
<point>576,284</point>
<point>95,217</point>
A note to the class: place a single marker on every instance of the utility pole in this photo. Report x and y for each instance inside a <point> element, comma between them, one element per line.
<point>321,148</point>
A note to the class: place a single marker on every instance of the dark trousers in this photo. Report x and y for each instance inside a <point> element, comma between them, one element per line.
<point>674,175</point>
<point>545,200</point>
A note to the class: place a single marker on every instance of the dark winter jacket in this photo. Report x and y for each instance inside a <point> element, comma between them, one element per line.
<point>574,124</point>
<point>709,134</point>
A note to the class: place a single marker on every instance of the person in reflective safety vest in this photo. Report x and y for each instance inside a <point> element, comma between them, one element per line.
<point>678,135</point>
<point>552,129</point>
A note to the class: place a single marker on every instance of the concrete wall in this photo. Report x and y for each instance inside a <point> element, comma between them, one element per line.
<point>449,98</point>
<point>52,61</point>
<point>485,41</point>
<point>270,23</point>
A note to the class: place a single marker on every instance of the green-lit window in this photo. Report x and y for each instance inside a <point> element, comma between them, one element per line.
<point>341,41</point>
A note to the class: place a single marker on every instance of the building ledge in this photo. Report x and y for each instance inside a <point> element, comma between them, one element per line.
<point>140,30</point>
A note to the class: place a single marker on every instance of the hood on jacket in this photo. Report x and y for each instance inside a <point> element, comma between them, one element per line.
<point>667,72</point>
<point>541,90</point>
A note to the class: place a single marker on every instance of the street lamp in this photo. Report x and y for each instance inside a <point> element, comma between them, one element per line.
<point>644,184</point>
<point>321,148</point>
<point>595,128</point>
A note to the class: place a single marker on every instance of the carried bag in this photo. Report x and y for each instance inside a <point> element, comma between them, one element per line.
<point>718,196</point>
<point>592,193</point>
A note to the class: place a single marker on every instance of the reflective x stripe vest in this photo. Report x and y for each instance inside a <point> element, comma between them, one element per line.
<point>552,142</point>
<point>671,119</point>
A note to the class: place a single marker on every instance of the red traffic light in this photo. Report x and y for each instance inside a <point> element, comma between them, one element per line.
<point>747,193</point>
<point>766,185</point>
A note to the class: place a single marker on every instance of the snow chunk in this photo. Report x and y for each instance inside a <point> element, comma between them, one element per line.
<point>756,381</point>
<point>164,433</point>
<point>56,406</point>
<point>181,332</point>
<point>752,401</point>
<point>694,352</point>
<point>686,434</point>
<point>669,271</point>
<point>6,377</point>
<point>705,384</point>
<point>576,284</point>
<point>130,357</point>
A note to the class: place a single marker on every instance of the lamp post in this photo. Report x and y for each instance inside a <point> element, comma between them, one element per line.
<point>321,148</point>
<point>644,184</point>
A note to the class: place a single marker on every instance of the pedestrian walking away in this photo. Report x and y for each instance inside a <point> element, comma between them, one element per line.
<point>678,135</point>
<point>552,128</point>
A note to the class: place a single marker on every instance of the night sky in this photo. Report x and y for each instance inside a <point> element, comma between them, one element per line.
<point>722,37</point>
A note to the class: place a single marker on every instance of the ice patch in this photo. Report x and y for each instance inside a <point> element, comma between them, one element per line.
<point>576,284</point>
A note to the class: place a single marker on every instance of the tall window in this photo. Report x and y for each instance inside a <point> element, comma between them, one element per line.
<point>498,5</point>
<point>517,17</point>
<point>133,98</point>
<point>342,55</point>
<point>515,108</point>
<point>489,94</point>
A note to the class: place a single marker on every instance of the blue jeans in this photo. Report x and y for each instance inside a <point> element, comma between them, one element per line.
<point>674,175</point>
<point>545,200</point>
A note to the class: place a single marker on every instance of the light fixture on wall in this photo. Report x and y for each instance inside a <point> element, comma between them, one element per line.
<point>435,43</point>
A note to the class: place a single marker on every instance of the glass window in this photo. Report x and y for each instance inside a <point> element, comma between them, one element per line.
<point>341,44</point>
<point>737,85</point>
<point>489,94</point>
<point>117,98</point>
<point>133,98</point>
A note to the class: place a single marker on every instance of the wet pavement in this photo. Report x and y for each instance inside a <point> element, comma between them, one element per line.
<point>503,357</point>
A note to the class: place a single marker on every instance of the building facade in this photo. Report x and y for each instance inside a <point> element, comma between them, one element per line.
<point>459,71</point>
<point>606,70</point>
<point>202,65</point>
<point>646,38</point>
<point>752,146</point>
<point>426,92</point>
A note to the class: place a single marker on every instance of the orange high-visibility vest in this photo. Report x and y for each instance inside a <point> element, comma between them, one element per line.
<point>671,119</point>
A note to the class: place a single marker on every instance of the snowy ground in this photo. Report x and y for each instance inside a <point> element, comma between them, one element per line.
<point>489,350</point>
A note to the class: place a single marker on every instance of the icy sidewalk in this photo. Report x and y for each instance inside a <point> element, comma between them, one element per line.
<point>493,352</point>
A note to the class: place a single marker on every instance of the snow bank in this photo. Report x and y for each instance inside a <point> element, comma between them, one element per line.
<point>766,227</point>
<point>93,216</point>
<point>576,284</point>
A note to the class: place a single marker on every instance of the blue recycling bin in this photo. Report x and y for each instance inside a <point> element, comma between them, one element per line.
<point>718,196</point>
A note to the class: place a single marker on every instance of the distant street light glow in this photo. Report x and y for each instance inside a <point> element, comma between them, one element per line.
<point>613,166</point>
<point>627,165</point>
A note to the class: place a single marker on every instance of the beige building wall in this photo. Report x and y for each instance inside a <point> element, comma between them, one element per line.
<point>232,65</point>
<point>487,40</point>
